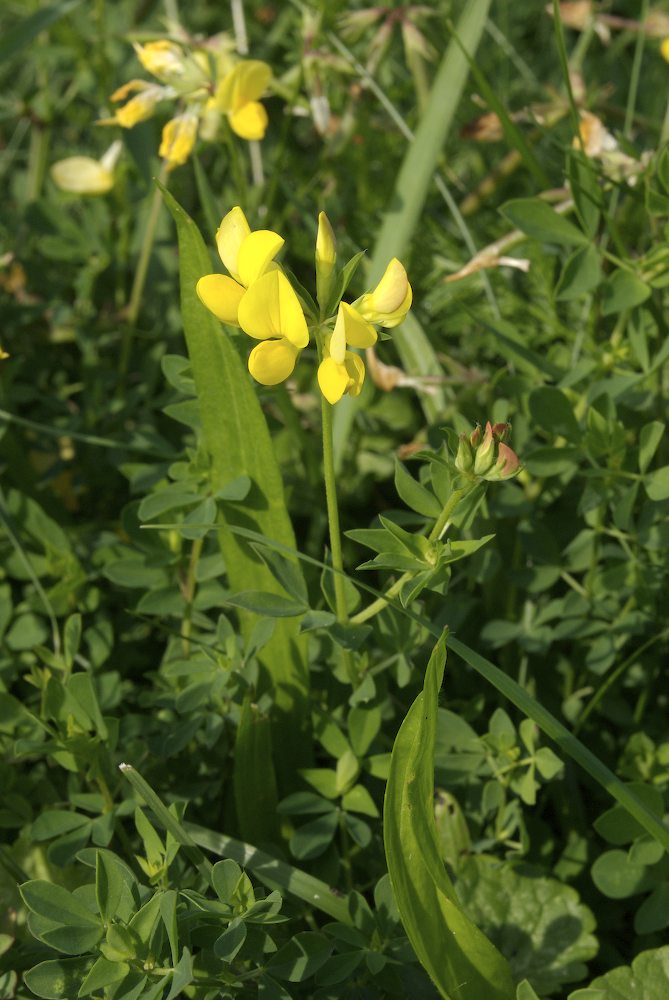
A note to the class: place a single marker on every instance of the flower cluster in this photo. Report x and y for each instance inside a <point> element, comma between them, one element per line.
<point>207,84</point>
<point>256,296</point>
<point>486,456</point>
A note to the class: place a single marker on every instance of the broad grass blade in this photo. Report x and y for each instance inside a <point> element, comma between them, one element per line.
<point>459,958</point>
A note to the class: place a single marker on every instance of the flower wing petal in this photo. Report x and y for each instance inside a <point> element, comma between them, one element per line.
<point>355,369</point>
<point>82,175</point>
<point>221,295</point>
<point>332,380</point>
<point>255,253</point>
<point>272,361</point>
<point>230,235</point>
<point>359,333</point>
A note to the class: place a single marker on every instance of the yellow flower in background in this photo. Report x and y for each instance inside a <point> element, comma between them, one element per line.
<point>270,311</point>
<point>664,48</point>
<point>237,96</point>
<point>391,300</point>
<point>162,58</point>
<point>342,371</point>
<point>140,107</point>
<point>178,139</point>
<point>84,175</point>
<point>3,354</point>
<point>246,255</point>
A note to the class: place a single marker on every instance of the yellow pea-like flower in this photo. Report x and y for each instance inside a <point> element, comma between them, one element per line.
<point>390,301</point>
<point>246,255</point>
<point>238,95</point>
<point>140,107</point>
<point>162,58</point>
<point>84,175</point>
<point>343,371</point>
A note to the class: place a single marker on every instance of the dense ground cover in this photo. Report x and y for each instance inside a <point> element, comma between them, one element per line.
<point>345,677</point>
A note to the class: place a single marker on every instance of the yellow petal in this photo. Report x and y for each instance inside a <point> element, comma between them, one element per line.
<point>230,235</point>
<point>358,332</point>
<point>249,121</point>
<point>162,58</point>
<point>221,295</point>
<point>336,345</point>
<point>664,49</point>
<point>255,253</point>
<point>271,308</point>
<point>392,288</point>
<point>178,139</point>
<point>82,175</point>
<point>333,380</point>
<point>394,318</point>
<point>355,368</point>
<point>272,361</point>
<point>245,82</point>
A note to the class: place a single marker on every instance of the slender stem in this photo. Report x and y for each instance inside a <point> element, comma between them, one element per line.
<point>438,529</point>
<point>333,511</point>
<point>135,300</point>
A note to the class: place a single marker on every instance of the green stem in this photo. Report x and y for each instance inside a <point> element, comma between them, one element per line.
<point>333,512</point>
<point>135,301</point>
<point>438,529</point>
<point>189,588</point>
<point>335,532</point>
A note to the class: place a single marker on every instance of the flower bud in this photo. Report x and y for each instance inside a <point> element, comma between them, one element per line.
<point>485,453</point>
<point>326,257</point>
<point>507,465</point>
<point>84,175</point>
<point>464,460</point>
<point>178,138</point>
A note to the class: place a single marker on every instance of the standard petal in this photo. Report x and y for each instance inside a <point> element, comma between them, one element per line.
<point>246,82</point>
<point>230,235</point>
<point>271,308</point>
<point>392,288</point>
<point>272,361</point>
<point>358,332</point>
<point>221,295</point>
<point>250,121</point>
<point>333,380</point>
<point>395,318</point>
<point>355,369</point>
<point>255,253</point>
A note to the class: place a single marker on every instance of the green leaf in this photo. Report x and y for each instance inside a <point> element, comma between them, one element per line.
<point>456,954</point>
<point>364,724</point>
<point>656,484</point>
<point>649,440</point>
<point>541,222</point>
<point>617,877</point>
<point>646,979</point>
<point>617,826</point>
<point>57,979</point>
<point>238,441</point>
<point>231,940</point>
<point>109,885</point>
<point>252,766</point>
<point>414,494</point>
<point>266,603</point>
<point>581,274</point>
<point>539,923</point>
<point>182,975</point>
<point>103,973</point>
<point>300,958</point>
<point>623,290</point>
<point>314,838</point>
<point>56,904</point>
<point>585,190</point>
<point>56,822</point>
<point>550,408</point>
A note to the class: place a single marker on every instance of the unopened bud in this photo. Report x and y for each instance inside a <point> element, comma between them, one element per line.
<point>464,460</point>
<point>326,257</point>
<point>485,453</point>
<point>507,465</point>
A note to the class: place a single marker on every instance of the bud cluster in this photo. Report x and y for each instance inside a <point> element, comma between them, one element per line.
<point>484,455</point>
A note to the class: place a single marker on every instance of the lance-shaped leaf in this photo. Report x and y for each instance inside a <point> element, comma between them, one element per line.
<point>461,961</point>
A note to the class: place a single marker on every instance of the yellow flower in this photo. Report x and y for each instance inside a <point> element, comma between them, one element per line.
<point>270,312</point>
<point>390,301</point>
<point>178,139</point>
<point>343,371</point>
<point>246,255</point>
<point>237,97</point>
<point>162,58</point>
<point>141,106</point>
<point>664,49</point>
<point>3,354</point>
<point>84,175</point>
